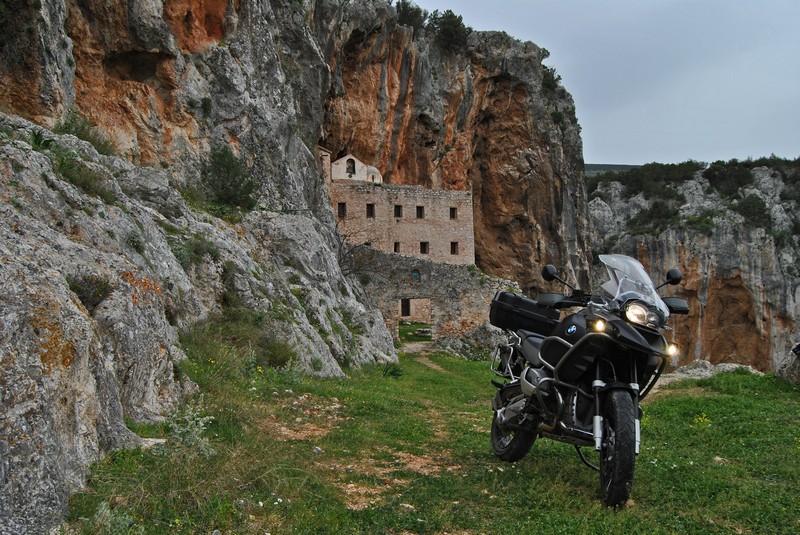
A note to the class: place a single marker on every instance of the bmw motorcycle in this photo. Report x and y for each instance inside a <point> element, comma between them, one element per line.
<point>580,379</point>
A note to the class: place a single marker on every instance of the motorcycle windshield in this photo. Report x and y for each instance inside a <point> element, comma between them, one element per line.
<point>629,280</point>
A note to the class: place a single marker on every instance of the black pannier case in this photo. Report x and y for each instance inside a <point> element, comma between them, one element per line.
<point>514,312</point>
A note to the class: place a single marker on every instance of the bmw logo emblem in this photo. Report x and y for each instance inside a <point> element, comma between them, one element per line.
<point>571,329</point>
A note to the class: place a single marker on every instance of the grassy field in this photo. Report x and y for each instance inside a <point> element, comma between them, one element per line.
<point>407,332</point>
<point>405,449</point>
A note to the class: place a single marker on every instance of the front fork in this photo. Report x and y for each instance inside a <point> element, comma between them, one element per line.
<point>598,386</point>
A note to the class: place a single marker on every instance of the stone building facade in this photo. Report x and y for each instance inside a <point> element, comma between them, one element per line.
<point>435,225</point>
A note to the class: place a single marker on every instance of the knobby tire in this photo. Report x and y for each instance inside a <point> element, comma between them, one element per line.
<point>618,453</point>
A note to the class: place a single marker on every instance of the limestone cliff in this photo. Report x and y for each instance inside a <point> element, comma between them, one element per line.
<point>170,80</point>
<point>485,120</point>
<point>740,271</point>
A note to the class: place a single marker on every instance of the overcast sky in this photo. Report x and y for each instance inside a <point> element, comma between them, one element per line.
<point>665,80</point>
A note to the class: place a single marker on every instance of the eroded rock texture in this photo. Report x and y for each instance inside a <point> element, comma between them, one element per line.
<point>741,279</point>
<point>483,121</point>
<point>170,80</point>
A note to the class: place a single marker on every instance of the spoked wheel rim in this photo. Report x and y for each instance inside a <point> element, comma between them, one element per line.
<point>502,434</point>
<point>607,456</point>
<point>510,442</point>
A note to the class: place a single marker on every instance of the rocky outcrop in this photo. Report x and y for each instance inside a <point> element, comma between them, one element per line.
<point>484,120</point>
<point>741,279</point>
<point>99,277</point>
<point>96,284</point>
<point>166,80</point>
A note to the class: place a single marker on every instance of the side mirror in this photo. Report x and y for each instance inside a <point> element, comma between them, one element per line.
<point>549,273</point>
<point>674,276</point>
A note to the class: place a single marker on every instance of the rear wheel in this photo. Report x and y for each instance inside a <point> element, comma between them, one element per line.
<point>510,443</point>
<point>618,452</point>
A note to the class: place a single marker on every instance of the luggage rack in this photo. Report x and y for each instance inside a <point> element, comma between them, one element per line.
<point>497,364</point>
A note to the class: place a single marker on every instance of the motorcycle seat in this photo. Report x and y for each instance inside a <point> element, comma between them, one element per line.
<point>531,342</point>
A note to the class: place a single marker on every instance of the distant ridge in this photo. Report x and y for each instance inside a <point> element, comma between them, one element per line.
<point>592,169</point>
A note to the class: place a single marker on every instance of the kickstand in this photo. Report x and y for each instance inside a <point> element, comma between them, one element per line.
<point>585,461</point>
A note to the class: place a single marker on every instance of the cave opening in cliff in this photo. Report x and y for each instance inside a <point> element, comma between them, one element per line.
<point>133,66</point>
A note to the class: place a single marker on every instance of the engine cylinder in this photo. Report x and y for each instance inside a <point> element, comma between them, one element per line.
<point>531,381</point>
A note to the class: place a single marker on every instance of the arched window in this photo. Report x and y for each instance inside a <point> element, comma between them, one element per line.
<point>351,166</point>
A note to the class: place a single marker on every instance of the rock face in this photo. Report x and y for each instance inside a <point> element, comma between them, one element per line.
<point>485,120</point>
<point>102,262</point>
<point>741,279</point>
<point>96,288</point>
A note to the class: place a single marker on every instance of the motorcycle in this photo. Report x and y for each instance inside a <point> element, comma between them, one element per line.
<point>580,379</point>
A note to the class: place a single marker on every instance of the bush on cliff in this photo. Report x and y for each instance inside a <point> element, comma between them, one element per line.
<point>225,178</point>
<point>755,211</point>
<point>728,178</point>
<point>91,289</point>
<point>411,15</point>
<point>79,126</point>
<point>448,30</point>
<point>651,179</point>
<point>653,220</point>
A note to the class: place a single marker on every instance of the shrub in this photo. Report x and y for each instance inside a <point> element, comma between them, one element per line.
<point>79,126</point>
<point>550,79</point>
<point>653,220</point>
<point>652,179</point>
<point>728,178</point>
<point>90,289</point>
<point>449,32</point>
<point>83,177</point>
<point>136,241</point>
<point>755,211</point>
<point>193,251</point>
<point>278,353</point>
<point>205,105</point>
<point>226,181</point>
<point>38,142</point>
<point>703,222</point>
<point>188,425</point>
<point>230,297</point>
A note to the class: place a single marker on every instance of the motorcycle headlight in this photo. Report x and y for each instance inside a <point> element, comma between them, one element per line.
<point>637,312</point>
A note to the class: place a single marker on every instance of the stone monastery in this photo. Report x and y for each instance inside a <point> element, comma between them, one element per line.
<point>435,225</point>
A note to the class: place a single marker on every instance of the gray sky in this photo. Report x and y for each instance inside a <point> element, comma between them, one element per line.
<point>665,80</point>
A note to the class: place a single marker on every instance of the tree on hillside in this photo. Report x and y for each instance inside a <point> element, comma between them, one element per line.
<point>448,30</point>
<point>226,179</point>
<point>410,14</point>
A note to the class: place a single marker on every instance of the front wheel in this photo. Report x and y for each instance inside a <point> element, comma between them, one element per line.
<point>618,452</point>
<point>510,443</point>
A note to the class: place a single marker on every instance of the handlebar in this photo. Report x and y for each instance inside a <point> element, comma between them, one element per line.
<point>577,299</point>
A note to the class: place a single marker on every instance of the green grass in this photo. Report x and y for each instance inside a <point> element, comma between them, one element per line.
<point>407,331</point>
<point>410,453</point>
<point>76,124</point>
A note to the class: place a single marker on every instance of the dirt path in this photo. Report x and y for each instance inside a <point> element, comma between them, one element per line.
<point>417,348</point>
<point>420,350</point>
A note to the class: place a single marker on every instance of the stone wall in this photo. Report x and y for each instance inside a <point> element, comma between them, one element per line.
<point>459,296</point>
<point>445,224</point>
